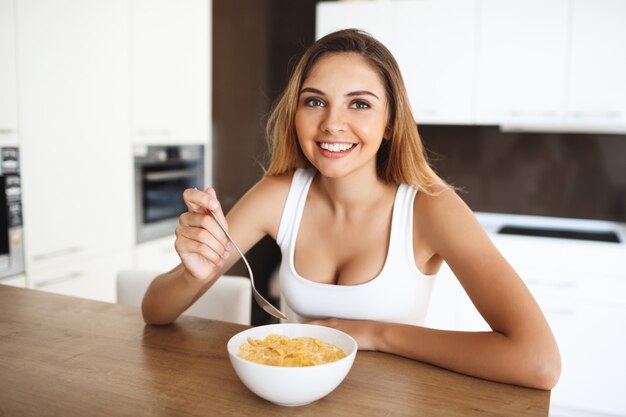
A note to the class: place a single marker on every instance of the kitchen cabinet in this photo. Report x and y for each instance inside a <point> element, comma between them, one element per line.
<point>450,307</point>
<point>372,17</point>
<point>597,77</point>
<point>444,311</point>
<point>74,130</point>
<point>522,59</point>
<point>8,75</point>
<point>170,71</point>
<point>157,254</point>
<point>579,286</point>
<point>93,278</point>
<point>536,65</point>
<point>437,60</point>
<point>14,281</point>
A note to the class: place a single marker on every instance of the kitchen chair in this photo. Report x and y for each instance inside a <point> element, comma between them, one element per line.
<point>229,299</point>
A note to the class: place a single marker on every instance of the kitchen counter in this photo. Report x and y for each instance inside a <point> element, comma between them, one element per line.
<point>67,356</point>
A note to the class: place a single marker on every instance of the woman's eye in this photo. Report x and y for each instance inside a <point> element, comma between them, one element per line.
<point>313,102</point>
<point>359,105</point>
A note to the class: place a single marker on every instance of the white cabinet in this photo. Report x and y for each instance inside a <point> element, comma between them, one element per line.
<point>74,130</point>
<point>8,77</point>
<point>94,278</point>
<point>553,65</point>
<point>579,286</point>
<point>14,281</point>
<point>170,71</point>
<point>522,61</point>
<point>450,307</point>
<point>597,76</point>
<point>437,60</point>
<point>372,17</point>
<point>157,254</point>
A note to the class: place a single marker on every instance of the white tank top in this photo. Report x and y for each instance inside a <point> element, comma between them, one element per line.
<point>400,293</point>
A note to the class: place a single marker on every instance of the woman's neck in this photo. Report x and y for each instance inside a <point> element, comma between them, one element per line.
<point>355,193</point>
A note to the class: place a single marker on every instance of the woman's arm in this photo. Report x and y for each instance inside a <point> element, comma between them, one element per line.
<point>519,350</point>
<point>204,249</point>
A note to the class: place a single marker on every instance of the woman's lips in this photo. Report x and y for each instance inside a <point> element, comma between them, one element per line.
<point>335,149</point>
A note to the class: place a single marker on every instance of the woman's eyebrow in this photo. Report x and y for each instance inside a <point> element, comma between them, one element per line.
<point>362,93</point>
<point>351,94</point>
<point>312,90</point>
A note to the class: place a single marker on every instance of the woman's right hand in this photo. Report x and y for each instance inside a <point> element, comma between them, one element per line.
<point>200,242</point>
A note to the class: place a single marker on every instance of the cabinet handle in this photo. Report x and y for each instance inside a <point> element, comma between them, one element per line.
<point>4,131</point>
<point>171,175</point>
<point>551,284</point>
<point>57,253</point>
<point>560,311</point>
<point>58,280</point>
<point>517,114</point>
<point>609,114</point>
<point>154,132</point>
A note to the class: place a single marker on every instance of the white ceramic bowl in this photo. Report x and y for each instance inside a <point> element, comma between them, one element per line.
<point>292,386</point>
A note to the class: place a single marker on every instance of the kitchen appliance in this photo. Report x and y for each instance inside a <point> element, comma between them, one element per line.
<point>162,173</point>
<point>11,245</point>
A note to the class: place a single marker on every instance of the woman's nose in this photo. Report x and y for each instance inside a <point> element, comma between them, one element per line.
<point>333,121</point>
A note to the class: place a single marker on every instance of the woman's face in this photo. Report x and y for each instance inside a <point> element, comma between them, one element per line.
<point>342,115</point>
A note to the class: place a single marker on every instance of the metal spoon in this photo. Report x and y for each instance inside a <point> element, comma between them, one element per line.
<point>265,305</point>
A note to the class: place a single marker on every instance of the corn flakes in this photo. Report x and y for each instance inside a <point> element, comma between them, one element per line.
<point>279,350</point>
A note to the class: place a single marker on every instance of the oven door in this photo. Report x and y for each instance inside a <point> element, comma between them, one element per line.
<point>159,198</point>
<point>4,226</point>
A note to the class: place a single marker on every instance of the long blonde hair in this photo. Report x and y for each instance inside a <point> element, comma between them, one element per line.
<point>400,160</point>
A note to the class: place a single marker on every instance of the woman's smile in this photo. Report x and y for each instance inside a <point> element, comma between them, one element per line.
<point>335,149</point>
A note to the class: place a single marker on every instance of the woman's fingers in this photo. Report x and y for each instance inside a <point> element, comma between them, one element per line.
<point>204,222</point>
<point>187,247</point>
<point>220,245</point>
<point>199,238</point>
<point>215,206</point>
<point>198,201</point>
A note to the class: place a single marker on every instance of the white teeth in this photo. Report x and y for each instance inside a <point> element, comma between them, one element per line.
<point>336,147</point>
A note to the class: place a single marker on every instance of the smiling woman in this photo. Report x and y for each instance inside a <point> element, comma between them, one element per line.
<point>364,225</point>
<point>340,114</point>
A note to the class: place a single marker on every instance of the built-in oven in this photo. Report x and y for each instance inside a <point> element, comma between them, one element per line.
<point>11,245</point>
<point>162,173</point>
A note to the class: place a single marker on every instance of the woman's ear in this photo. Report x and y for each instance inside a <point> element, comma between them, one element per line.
<point>387,134</point>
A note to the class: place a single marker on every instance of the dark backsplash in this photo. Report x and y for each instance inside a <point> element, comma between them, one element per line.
<point>254,45</point>
<point>548,174</point>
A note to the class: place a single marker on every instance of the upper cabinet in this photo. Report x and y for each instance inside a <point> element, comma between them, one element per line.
<point>437,60</point>
<point>8,77</point>
<point>597,77</point>
<point>170,71</point>
<point>371,16</point>
<point>521,61</point>
<point>74,129</point>
<point>557,65</point>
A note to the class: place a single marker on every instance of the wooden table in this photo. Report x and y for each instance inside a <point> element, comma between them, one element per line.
<point>65,356</point>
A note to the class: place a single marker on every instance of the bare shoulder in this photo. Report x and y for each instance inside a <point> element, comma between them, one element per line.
<point>443,216</point>
<point>271,189</point>
<point>265,201</point>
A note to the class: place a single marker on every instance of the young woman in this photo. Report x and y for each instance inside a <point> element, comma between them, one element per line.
<point>364,225</point>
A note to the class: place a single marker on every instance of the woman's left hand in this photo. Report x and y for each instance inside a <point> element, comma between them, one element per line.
<point>363,331</point>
